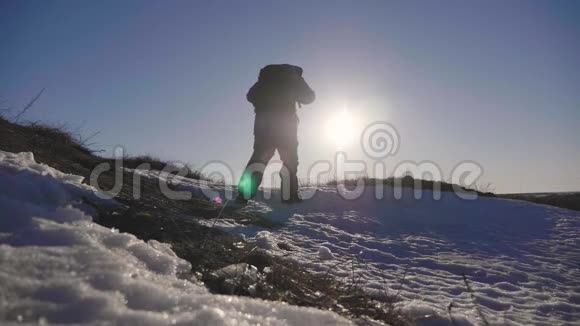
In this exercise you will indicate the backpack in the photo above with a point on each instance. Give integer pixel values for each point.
(279, 73)
(279, 88)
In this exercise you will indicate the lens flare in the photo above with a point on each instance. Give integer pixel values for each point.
(246, 185)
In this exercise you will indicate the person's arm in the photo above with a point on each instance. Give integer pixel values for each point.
(304, 94)
(253, 93)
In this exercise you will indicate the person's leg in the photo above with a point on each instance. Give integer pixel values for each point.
(288, 150)
(252, 176)
(263, 152)
(288, 174)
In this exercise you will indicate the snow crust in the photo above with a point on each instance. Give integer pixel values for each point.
(522, 260)
(324, 253)
(57, 266)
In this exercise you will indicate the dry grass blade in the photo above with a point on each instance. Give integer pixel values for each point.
(28, 106)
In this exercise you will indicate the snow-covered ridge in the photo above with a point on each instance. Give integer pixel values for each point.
(57, 266)
(522, 260)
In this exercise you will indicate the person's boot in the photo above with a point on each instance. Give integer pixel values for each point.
(240, 200)
(290, 184)
(294, 194)
(238, 203)
(293, 199)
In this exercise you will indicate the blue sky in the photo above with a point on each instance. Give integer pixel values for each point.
(496, 82)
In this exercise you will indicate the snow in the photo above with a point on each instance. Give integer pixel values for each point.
(57, 266)
(520, 259)
(325, 253)
(265, 240)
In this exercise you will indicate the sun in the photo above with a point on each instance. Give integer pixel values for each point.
(340, 129)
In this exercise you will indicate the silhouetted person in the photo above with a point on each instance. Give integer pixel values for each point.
(274, 96)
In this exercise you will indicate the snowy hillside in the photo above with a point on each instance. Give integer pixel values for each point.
(521, 260)
(57, 266)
